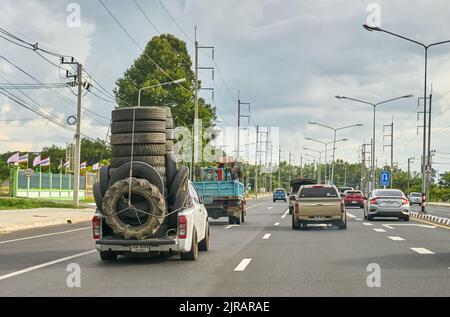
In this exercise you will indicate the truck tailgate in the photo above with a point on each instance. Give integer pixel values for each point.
(324, 207)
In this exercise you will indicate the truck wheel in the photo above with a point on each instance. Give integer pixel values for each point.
(369, 217)
(193, 253)
(204, 244)
(108, 256)
(290, 210)
(243, 217)
(231, 220)
(303, 226)
(104, 179)
(294, 224)
(178, 183)
(238, 220)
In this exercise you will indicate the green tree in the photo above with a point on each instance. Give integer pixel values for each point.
(93, 151)
(4, 171)
(176, 65)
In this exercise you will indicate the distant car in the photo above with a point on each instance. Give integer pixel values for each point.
(387, 203)
(342, 190)
(415, 198)
(295, 186)
(354, 198)
(279, 194)
(319, 204)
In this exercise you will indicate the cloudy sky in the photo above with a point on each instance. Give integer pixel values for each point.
(288, 58)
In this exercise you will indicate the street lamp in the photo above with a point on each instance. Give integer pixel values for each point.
(426, 47)
(374, 105)
(334, 140)
(320, 161)
(177, 81)
(326, 151)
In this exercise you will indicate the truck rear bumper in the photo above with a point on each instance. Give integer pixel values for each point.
(137, 246)
(325, 220)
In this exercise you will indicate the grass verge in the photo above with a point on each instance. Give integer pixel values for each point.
(8, 203)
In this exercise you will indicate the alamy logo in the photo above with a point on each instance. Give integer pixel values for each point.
(74, 278)
(374, 278)
(374, 18)
(74, 18)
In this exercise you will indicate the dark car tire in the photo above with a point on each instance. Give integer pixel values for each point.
(98, 197)
(138, 149)
(171, 168)
(140, 170)
(193, 253)
(108, 256)
(180, 202)
(139, 126)
(138, 138)
(204, 244)
(406, 218)
(153, 160)
(178, 184)
(369, 217)
(140, 114)
(291, 209)
(104, 179)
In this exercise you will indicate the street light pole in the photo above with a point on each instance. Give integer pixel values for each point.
(319, 169)
(374, 105)
(425, 164)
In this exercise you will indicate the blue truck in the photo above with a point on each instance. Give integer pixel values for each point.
(223, 198)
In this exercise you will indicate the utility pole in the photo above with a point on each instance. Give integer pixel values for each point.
(410, 160)
(301, 166)
(279, 166)
(428, 171)
(256, 161)
(390, 135)
(238, 151)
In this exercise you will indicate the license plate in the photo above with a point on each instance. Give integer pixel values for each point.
(353, 202)
(140, 248)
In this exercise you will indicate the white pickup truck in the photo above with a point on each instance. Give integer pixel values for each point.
(190, 235)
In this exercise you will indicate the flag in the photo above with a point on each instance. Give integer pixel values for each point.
(67, 164)
(37, 160)
(60, 165)
(14, 158)
(83, 165)
(23, 159)
(96, 166)
(45, 162)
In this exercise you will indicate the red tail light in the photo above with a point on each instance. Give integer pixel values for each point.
(317, 186)
(182, 227)
(405, 201)
(96, 227)
(373, 201)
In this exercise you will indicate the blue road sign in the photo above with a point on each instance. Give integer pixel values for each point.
(385, 178)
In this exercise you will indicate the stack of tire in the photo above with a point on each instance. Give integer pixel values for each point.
(157, 186)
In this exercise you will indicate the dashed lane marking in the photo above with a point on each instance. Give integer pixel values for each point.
(396, 238)
(285, 214)
(231, 226)
(391, 226)
(422, 251)
(358, 219)
(266, 236)
(44, 235)
(269, 208)
(379, 230)
(367, 224)
(351, 215)
(243, 265)
(276, 224)
(36, 267)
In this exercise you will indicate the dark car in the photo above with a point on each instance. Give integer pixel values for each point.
(295, 186)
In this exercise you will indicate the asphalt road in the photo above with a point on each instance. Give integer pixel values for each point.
(263, 257)
(440, 211)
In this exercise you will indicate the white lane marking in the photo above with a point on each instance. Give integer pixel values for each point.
(396, 238)
(422, 251)
(269, 208)
(276, 224)
(358, 219)
(266, 236)
(36, 267)
(231, 226)
(241, 266)
(254, 205)
(367, 224)
(285, 214)
(43, 235)
(408, 224)
(379, 230)
(351, 215)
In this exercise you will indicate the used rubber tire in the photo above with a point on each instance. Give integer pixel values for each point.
(178, 184)
(117, 161)
(138, 149)
(193, 253)
(204, 244)
(181, 202)
(231, 220)
(169, 146)
(144, 189)
(169, 123)
(139, 138)
(142, 113)
(140, 170)
(168, 112)
(98, 197)
(171, 168)
(170, 134)
(139, 126)
(104, 179)
(161, 170)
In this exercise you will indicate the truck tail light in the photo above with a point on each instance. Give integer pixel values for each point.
(182, 227)
(96, 227)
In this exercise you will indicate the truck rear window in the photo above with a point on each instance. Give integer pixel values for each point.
(318, 192)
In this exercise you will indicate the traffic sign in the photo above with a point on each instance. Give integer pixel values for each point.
(385, 178)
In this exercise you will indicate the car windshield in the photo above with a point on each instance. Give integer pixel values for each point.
(415, 195)
(350, 192)
(389, 192)
(318, 192)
